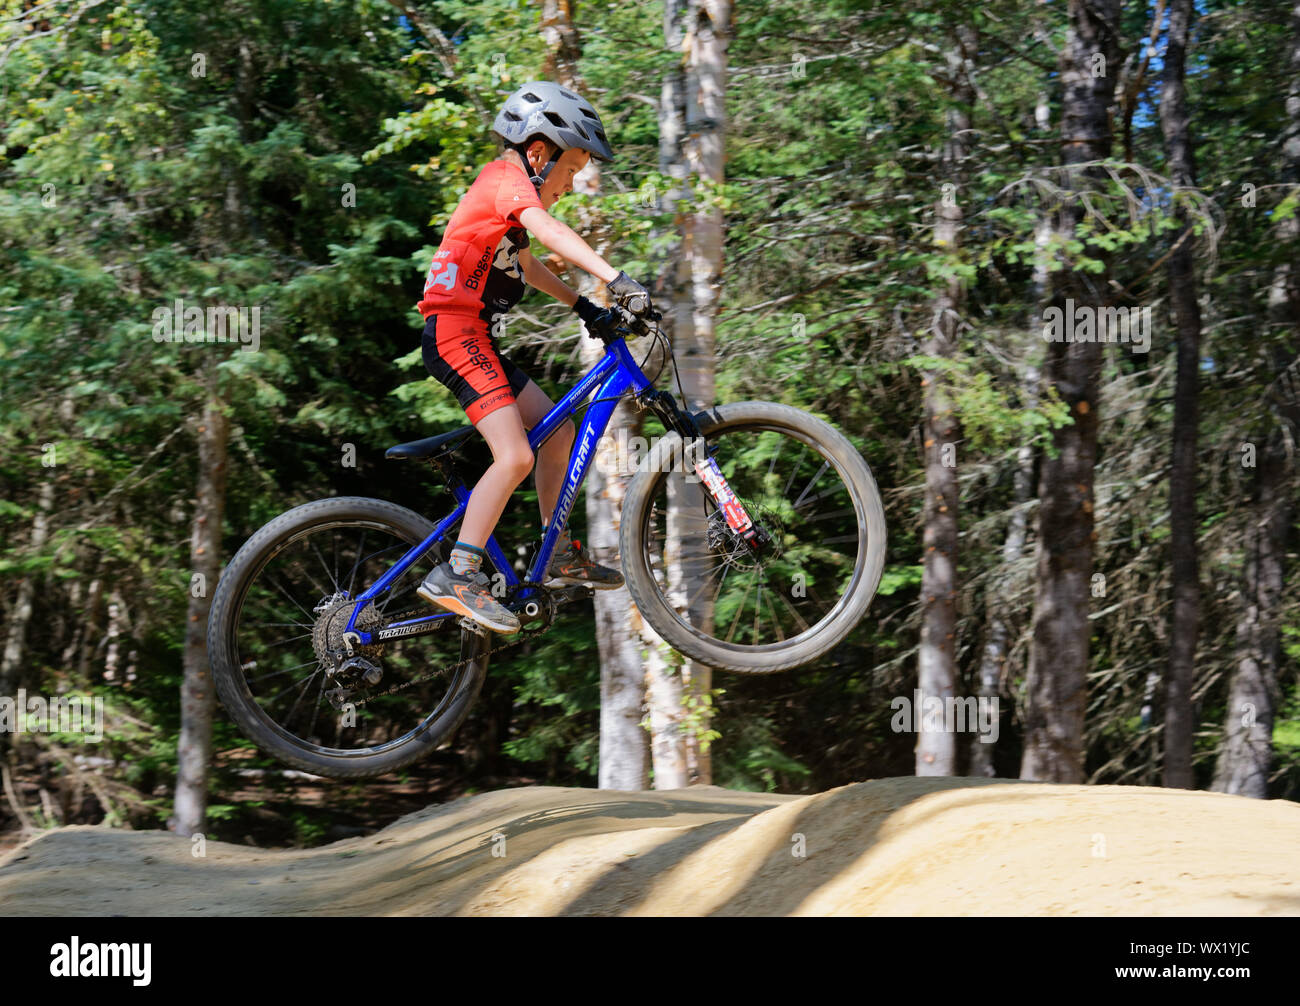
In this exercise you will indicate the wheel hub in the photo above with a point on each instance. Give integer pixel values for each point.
(723, 540)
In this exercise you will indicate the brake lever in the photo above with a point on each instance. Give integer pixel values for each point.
(632, 324)
(640, 324)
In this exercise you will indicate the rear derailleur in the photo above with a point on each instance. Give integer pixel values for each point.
(348, 676)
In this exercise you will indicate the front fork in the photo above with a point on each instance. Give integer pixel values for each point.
(695, 449)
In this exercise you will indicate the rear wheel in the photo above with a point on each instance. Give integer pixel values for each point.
(705, 591)
(279, 613)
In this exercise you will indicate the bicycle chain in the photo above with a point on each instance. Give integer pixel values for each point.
(438, 672)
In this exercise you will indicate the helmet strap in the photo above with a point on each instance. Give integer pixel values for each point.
(540, 178)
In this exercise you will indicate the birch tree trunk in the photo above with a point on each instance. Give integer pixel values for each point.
(194, 756)
(20, 616)
(1175, 123)
(706, 119)
(993, 662)
(1244, 762)
(623, 742)
(936, 750)
(239, 226)
(664, 691)
(1055, 686)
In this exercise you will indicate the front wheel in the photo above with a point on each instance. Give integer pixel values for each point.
(705, 591)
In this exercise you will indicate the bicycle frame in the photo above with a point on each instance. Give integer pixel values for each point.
(613, 374)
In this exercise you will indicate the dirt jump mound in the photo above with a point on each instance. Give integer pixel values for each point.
(906, 846)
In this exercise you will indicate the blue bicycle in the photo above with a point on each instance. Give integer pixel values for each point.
(752, 539)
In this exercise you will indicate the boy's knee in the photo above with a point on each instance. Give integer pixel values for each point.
(516, 460)
(519, 461)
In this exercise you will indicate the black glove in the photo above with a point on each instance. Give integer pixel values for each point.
(629, 294)
(586, 310)
(605, 322)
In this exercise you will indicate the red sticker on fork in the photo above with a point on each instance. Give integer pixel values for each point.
(711, 475)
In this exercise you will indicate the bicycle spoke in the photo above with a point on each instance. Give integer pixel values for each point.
(794, 470)
(290, 598)
(289, 592)
(820, 472)
(394, 595)
(315, 709)
(827, 516)
(333, 580)
(779, 448)
(725, 567)
(803, 626)
(814, 499)
(285, 670)
(321, 592)
(361, 548)
(305, 682)
(735, 621)
(291, 639)
(775, 619)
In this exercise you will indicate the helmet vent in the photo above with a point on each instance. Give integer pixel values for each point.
(590, 114)
(571, 97)
(555, 120)
(529, 96)
(581, 132)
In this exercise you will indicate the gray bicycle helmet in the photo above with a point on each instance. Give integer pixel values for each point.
(541, 108)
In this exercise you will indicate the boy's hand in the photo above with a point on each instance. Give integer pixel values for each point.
(604, 322)
(629, 294)
(586, 310)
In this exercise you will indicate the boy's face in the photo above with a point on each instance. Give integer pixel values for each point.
(560, 180)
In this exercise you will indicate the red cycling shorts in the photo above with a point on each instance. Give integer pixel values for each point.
(459, 351)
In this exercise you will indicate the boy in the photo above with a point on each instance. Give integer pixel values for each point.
(549, 134)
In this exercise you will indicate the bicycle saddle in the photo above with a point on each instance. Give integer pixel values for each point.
(442, 444)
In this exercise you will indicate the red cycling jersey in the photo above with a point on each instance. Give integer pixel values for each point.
(476, 270)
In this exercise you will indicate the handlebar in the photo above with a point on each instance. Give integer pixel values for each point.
(631, 324)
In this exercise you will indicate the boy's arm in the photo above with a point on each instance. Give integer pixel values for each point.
(562, 239)
(539, 276)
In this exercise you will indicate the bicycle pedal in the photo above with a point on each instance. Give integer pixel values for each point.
(473, 626)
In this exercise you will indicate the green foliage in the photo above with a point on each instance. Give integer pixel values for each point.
(896, 578)
(991, 422)
(752, 759)
(128, 182)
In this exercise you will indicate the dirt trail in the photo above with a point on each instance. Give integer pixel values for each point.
(902, 846)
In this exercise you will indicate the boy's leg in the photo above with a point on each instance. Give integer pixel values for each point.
(553, 455)
(460, 354)
(512, 460)
(459, 584)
